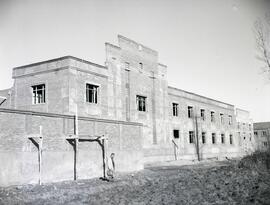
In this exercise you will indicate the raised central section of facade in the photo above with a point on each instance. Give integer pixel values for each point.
(132, 86)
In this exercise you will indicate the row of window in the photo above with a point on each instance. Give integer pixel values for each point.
(244, 125)
(264, 133)
(39, 93)
(203, 137)
(202, 114)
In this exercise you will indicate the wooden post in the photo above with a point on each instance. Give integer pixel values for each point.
(40, 154)
(105, 155)
(76, 144)
(174, 148)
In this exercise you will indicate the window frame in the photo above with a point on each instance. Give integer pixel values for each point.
(35, 96)
(190, 111)
(212, 116)
(222, 138)
(138, 101)
(95, 93)
(203, 114)
(175, 109)
(214, 140)
(203, 137)
(191, 137)
(178, 134)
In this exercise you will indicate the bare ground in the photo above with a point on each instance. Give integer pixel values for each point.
(203, 183)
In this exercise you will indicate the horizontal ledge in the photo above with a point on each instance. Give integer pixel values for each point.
(55, 115)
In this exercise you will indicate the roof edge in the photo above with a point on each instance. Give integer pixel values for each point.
(200, 96)
(58, 59)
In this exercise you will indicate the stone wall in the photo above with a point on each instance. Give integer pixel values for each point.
(19, 156)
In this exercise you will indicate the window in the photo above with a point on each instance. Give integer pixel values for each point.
(176, 134)
(38, 94)
(175, 109)
(213, 138)
(190, 111)
(221, 118)
(191, 137)
(141, 66)
(91, 93)
(230, 120)
(203, 138)
(249, 126)
(264, 133)
(203, 114)
(231, 139)
(256, 133)
(141, 103)
(265, 144)
(212, 116)
(127, 65)
(222, 138)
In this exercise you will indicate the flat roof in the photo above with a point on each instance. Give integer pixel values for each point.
(59, 59)
(261, 125)
(200, 96)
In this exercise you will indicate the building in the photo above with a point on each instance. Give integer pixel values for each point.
(131, 88)
(262, 135)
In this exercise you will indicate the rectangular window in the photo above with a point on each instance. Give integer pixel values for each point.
(141, 66)
(203, 138)
(203, 114)
(213, 138)
(256, 133)
(221, 118)
(231, 139)
(127, 65)
(91, 93)
(190, 111)
(175, 109)
(141, 103)
(264, 133)
(38, 92)
(191, 137)
(212, 116)
(222, 138)
(230, 120)
(176, 134)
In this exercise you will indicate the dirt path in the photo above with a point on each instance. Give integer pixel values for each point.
(205, 183)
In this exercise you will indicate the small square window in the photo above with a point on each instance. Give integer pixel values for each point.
(191, 137)
(176, 134)
(91, 93)
(231, 139)
(38, 92)
(190, 111)
(141, 65)
(230, 120)
(222, 138)
(203, 137)
(221, 118)
(212, 116)
(175, 109)
(213, 138)
(127, 65)
(203, 114)
(141, 103)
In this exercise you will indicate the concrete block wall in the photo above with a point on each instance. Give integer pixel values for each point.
(19, 156)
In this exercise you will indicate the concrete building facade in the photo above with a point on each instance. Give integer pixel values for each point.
(262, 135)
(131, 87)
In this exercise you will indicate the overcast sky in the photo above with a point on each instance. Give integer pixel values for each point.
(208, 45)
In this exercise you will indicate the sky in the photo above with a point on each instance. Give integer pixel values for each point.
(209, 46)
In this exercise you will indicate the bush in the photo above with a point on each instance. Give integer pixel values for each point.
(258, 160)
